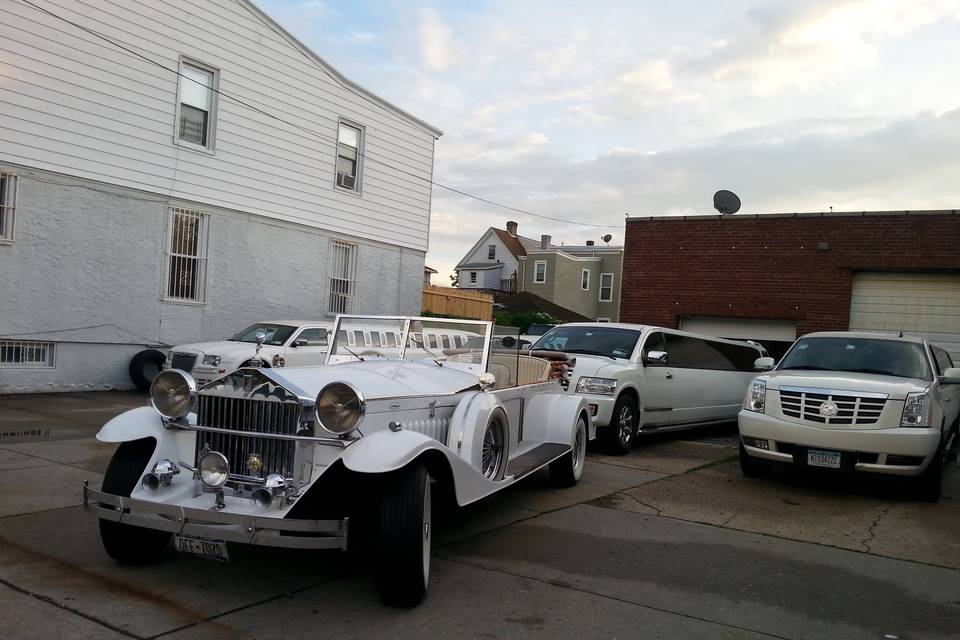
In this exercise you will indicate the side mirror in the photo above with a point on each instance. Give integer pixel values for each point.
(300, 342)
(951, 376)
(656, 358)
(508, 341)
(764, 364)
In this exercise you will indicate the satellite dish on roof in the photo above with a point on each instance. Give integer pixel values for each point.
(726, 202)
(607, 238)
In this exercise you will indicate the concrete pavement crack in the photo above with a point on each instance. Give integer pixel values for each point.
(51, 601)
(871, 531)
(640, 502)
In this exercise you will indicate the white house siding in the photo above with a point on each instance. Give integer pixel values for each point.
(74, 104)
(488, 279)
(87, 271)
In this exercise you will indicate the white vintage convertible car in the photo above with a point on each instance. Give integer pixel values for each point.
(290, 457)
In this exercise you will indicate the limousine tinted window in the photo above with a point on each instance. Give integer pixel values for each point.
(688, 352)
(654, 342)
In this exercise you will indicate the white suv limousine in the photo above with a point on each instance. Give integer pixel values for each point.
(639, 378)
(855, 402)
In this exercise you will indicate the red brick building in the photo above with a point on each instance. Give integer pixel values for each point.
(773, 277)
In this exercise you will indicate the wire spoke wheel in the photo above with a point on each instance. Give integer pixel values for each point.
(492, 452)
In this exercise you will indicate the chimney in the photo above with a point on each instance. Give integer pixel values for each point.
(589, 243)
(545, 241)
(512, 228)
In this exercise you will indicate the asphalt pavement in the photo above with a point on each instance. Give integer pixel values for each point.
(669, 541)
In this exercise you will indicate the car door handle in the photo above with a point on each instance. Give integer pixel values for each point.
(669, 376)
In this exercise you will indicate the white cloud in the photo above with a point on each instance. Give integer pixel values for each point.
(437, 48)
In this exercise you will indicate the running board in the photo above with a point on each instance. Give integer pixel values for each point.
(535, 458)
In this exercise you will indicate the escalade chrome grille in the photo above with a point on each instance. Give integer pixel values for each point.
(852, 409)
(249, 415)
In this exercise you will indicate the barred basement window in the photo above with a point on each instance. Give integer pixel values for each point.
(27, 354)
(187, 255)
(343, 277)
(8, 204)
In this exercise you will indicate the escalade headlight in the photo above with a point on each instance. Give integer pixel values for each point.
(597, 386)
(173, 393)
(339, 408)
(211, 361)
(756, 396)
(916, 410)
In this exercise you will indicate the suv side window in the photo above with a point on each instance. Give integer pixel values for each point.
(943, 360)
(654, 342)
(314, 337)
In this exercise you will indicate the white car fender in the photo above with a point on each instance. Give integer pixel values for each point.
(468, 424)
(142, 422)
(386, 451)
(553, 418)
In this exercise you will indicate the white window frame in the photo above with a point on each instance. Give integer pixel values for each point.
(536, 264)
(473, 277)
(177, 252)
(587, 286)
(342, 297)
(48, 349)
(612, 278)
(361, 142)
(8, 209)
(214, 102)
(491, 252)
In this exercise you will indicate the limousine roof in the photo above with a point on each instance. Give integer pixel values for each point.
(641, 327)
(874, 335)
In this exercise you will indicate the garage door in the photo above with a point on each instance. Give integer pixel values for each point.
(779, 330)
(925, 304)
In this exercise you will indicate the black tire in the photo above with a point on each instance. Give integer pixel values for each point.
(122, 542)
(752, 468)
(617, 437)
(145, 366)
(403, 538)
(566, 470)
(929, 484)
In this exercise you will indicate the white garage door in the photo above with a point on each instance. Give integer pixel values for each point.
(780, 330)
(925, 304)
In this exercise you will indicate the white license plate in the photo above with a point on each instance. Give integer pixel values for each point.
(829, 459)
(202, 547)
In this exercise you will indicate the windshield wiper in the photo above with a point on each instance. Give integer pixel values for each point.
(589, 353)
(424, 347)
(878, 372)
(350, 351)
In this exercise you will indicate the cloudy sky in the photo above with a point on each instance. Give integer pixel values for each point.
(587, 111)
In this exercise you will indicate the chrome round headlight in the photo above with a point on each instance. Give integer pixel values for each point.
(339, 408)
(214, 469)
(173, 393)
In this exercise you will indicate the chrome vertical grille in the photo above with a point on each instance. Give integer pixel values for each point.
(853, 408)
(239, 415)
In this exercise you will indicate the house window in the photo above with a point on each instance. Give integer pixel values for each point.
(343, 276)
(473, 277)
(348, 157)
(606, 287)
(491, 252)
(26, 354)
(8, 204)
(539, 271)
(187, 255)
(196, 112)
(585, 279)
(603, 319)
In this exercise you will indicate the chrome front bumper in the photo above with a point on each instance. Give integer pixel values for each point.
(217, 525)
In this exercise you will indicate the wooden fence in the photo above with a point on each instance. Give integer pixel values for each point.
(461, 303)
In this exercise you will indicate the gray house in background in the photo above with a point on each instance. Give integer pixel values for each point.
(220, 174)
(583, 278)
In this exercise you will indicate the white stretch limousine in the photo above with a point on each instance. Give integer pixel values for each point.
(638, 378)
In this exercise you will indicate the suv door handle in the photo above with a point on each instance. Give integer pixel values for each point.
(669, 376)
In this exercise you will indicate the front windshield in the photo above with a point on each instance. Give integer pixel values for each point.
(276, 334)
(590, 340)
(437, 339)
(858, 355)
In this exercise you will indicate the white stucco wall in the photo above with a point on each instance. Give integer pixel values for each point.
(87, 268)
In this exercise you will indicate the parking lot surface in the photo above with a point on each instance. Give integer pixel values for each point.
(669, 541)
